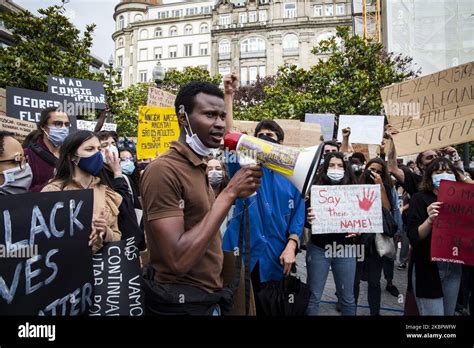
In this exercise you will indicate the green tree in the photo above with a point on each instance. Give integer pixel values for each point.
(44, 45)
(175, 79)
(347, 81)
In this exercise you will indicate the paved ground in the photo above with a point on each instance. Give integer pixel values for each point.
(389, 305)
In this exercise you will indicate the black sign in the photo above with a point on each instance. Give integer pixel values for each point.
(117, 289)
(46, 262)
(83, 91)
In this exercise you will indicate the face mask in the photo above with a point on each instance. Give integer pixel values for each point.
(335, 175)
(142, 166)
(215, 177)
(112, 150)
(92, 164)
(128, 167)
(267, 138)
(57, 135)
(194, 142)
(357, 168)
(443, 176)
(16, 180)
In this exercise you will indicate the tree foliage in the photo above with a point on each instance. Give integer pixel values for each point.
(175, 79)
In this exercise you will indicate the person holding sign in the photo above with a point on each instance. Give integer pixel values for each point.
(334, 171)
(42, 146)
(80, 167)
(15, 173)
(182, 216)
(435, 284)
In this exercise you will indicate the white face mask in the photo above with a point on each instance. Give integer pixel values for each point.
(443, 176)
(194, 142)
(17, 180)
(335, 175)
(112, 150)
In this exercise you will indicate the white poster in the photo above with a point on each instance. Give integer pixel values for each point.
(364, 129)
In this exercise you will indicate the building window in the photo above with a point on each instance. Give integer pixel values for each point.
(188, 30)
(253, 73)
(252, 16)
(138, 18)
(262, 71)
(120, 42)
(254, 44)
(244, 76)
(262, 16)
(290, 42)
(176, 13)
(206, 9)
(203, 49)
(224, 70)
(144, 54)
(173, 52)
(204, 28)
(121, 23)
(224, 47)
(143, 34)
(120, 61)
(158, 32)
(173, 31)
(318, 11)
(243, 17)
(224, 19)
(163, 15)
(158, 52)
(143, 77)
(290, 10)
(188, 50)
(340, 9)
(329, 10)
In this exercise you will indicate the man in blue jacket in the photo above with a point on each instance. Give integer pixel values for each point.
(276, 216)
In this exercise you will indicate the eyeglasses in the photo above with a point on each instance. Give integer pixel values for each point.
(61, 124)
(19, 159)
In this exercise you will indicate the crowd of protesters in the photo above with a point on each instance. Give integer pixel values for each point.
(221, 233)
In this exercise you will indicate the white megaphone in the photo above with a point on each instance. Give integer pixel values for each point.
(298, 165)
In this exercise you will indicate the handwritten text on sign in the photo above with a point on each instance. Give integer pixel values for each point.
(157, 128)
(347, 209)
(453, 228)
(432, 111)
(159, 97)
(56, 278)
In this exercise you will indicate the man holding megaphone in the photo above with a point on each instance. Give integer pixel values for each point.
(182, 216)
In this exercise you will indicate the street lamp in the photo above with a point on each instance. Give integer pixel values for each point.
(158, 74)
(111, 65)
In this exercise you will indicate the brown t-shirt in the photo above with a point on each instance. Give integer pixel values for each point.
(176, 185)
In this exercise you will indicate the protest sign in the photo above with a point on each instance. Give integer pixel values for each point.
(19, 128)
(326, 121)
(46, 264)
(160, 98)
(246, 127)
(90, 126)
(432, 111)
(3, 102)
(117, 289)
(26, 104)
(452, 237)
(364, 129)
(82, 91)
(157, 128)
(347, 209)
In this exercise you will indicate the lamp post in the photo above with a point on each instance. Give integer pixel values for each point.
(158, 74)
(111, 66)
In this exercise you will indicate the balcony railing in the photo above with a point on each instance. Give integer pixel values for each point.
(253, 54)
(224, 56)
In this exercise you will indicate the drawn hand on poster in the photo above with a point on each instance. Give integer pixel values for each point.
(368, 199)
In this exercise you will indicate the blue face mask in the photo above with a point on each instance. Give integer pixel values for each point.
(92, 164)
(443, 176)
(128, 167)
(57, 135)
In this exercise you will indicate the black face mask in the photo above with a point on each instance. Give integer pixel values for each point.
(142, 166)
(267, 138)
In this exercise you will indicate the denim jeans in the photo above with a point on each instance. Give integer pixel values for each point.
(450, 276)
(372, 266)
(343, 270)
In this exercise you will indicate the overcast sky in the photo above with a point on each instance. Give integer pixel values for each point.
(82, 13)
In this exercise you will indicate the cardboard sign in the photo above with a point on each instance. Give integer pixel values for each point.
(347, 209)
(453, 229)
(326, 121)
(160, 98)
(246, 127)
(117, 289)
(432, 111)
(364, 129)
(19, 128)
(46, 265)
(90, 126)
(82, 91)
(26, 104)
(157, 128)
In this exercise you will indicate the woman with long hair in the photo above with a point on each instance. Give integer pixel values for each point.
(80, 166)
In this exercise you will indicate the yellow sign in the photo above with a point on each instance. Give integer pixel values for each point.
(157, 128)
